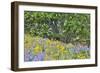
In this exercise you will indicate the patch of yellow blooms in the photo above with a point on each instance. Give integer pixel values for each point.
(60, 47)
(37, 49)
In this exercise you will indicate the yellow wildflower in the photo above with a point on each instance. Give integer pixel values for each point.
(37, 49)
(60, 47)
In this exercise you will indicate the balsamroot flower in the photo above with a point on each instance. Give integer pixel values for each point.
(37, 49)
(60, 47)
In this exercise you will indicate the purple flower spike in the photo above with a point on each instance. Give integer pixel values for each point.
(35, 58)
(74, 50)
(85, 48)
(39, 57)
(28, 56)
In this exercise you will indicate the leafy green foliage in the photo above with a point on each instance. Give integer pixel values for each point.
(66, 27)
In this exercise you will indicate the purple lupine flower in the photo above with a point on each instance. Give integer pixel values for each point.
(74, 50)
(39, 57)
(85, 49)
(35, 58)
(77, 50)
(28, 56)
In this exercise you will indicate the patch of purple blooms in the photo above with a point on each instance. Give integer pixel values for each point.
(77, 50)
(39, 57)
(72, 53)
(28, 56)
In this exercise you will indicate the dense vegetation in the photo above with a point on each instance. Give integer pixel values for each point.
(46, 31)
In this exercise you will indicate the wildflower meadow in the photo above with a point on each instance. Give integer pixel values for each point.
(56, 36)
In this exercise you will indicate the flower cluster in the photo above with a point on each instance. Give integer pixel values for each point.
(42, 49)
